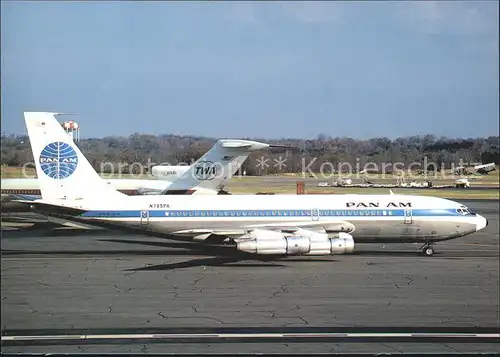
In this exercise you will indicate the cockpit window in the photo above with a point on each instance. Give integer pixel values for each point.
(464, 210)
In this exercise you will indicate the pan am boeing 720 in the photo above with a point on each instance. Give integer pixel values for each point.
(256, 224)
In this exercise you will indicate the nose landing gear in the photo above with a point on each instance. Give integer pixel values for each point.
(427, 250)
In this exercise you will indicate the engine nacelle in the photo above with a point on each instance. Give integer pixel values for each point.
(278, 244)
(342, 244)
(294, 245)
(165, 172)
(142, 191)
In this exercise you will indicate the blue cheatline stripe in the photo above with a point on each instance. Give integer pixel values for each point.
(273, 213)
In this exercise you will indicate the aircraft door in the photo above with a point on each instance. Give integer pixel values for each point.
(408, 216)
(315, 214)
(144, 217)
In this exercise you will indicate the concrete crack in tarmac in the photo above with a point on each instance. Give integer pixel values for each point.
(391, 347)
(451, 348)
(283, 289)
(273, 315)
(333, 348)
(197, 280)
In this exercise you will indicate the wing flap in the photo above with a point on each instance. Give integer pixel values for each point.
(201, 232)
(341, 226)
(289, 227)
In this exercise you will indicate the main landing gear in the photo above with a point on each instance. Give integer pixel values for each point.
(427, 250)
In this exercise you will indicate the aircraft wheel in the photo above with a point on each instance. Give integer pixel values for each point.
(428, 251)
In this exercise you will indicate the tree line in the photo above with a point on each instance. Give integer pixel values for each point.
(147, 150)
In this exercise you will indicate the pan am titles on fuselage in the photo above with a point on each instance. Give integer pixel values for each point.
(377, 205)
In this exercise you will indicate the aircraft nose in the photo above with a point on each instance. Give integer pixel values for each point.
(481, 223)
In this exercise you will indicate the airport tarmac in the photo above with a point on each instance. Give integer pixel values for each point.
(99, 282)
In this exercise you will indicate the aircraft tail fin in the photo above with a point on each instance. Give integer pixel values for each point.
(217, 165)
(63, 171)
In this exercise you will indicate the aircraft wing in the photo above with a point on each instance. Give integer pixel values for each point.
(341, 226)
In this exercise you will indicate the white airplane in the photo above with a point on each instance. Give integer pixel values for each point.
(255, 224)
(208, 175)
(480, 169)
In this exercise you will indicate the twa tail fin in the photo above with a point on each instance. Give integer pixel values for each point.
(217, 166)
(63, 171)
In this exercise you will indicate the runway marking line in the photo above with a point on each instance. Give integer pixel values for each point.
(19, 256)
(249, 335)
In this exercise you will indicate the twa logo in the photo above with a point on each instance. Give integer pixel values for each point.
(205, 170)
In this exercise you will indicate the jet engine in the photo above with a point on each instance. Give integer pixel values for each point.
(167, 172)
(280, 244)
(142, 191)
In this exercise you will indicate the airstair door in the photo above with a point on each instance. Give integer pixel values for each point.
(144, 217)
(408, 216)
(315, 214)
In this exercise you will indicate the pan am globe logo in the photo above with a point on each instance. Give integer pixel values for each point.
(58, 160)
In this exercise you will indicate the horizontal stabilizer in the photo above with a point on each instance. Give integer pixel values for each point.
(74, 224)
(246, 145)
(278, 148)
(25, 198)
(234, 144)
(56, 209)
